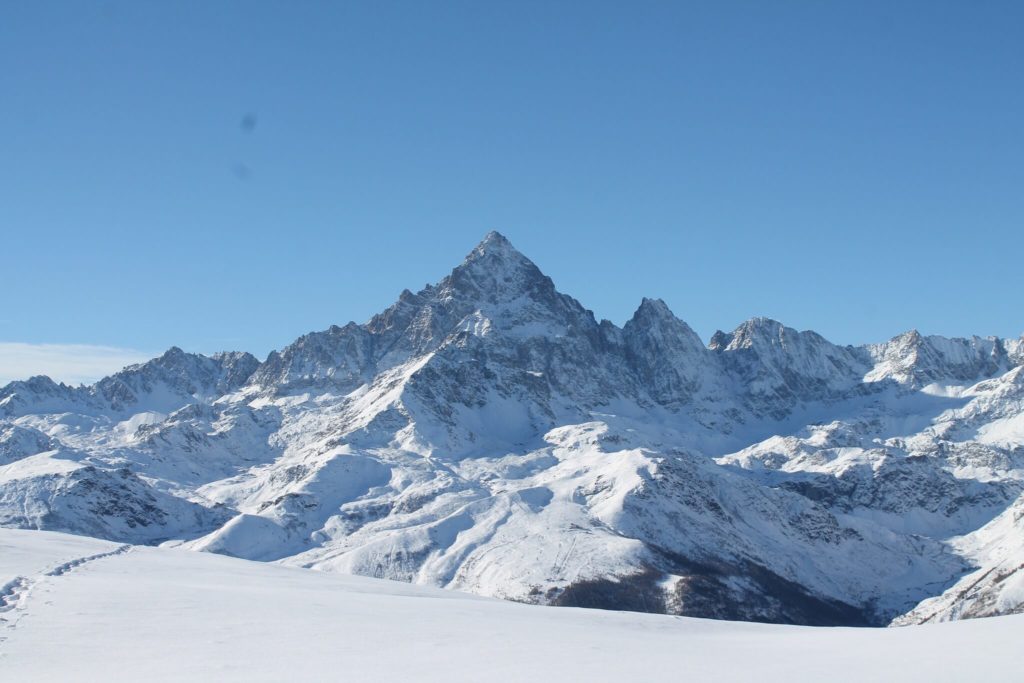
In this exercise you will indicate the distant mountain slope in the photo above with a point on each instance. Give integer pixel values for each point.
(487, 433)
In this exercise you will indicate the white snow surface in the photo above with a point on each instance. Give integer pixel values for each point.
(75, 608)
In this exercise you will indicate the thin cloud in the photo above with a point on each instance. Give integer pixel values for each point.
(69, 363)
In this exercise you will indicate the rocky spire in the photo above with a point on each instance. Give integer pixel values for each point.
(495, 271)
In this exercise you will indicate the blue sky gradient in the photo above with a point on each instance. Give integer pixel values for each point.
(232, 175)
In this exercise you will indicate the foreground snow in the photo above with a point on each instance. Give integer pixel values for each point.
(94, 610)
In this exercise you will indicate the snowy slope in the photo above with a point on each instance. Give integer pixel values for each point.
(488, 434)
(88, 610)
(996, 587)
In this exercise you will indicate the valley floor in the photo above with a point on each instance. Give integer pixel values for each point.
(78, 608)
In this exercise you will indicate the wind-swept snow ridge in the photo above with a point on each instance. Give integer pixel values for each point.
(487, 433)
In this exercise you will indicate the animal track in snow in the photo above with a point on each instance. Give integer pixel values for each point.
(14, 594)
(65, 567)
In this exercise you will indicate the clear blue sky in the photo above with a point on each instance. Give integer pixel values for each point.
(233, 174)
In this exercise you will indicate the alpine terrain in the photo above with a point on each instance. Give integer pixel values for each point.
(488, 434)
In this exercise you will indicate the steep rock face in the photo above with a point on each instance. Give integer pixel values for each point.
(163, 384)
(670, 361)
(496, 311)
(20, 442)
(995, 587)
(1014, 351)
(488, 434)
(339, 355)
(778, 367)
(41, 394)
(55, 491)
(174, 378)
(917, 360)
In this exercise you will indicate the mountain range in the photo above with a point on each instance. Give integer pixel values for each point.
(489, 434)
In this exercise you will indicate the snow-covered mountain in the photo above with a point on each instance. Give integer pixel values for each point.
(489, 434)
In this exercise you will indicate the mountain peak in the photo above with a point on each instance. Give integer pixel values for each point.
(496, 246)
(494, 240)
(173, 353)
(655, 306)
(756, 330)
(496, 271)
(761, 324)
(656, 313)
(666, 353)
